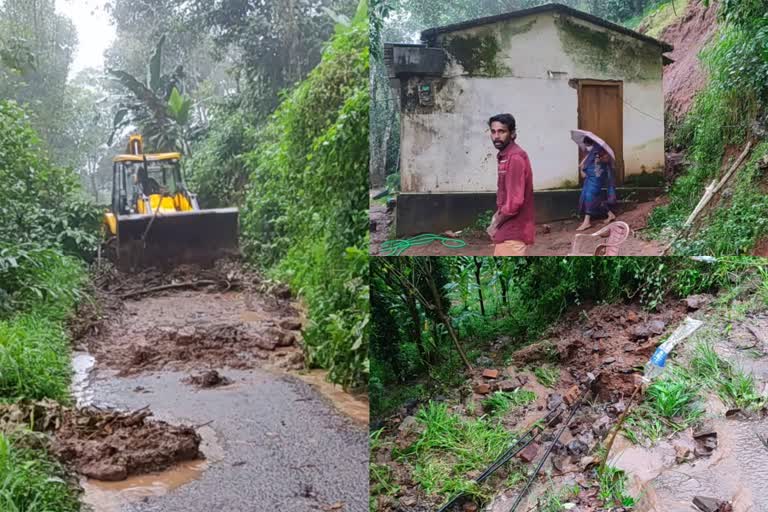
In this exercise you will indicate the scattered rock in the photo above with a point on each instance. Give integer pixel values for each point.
(508, 385)
(529, 453)
(572, 395)
(657, 326)
(554, 401)
(695, 302)
(587, 462)
(185, 335)
(632, 317)
(601, 426)
(482, 388)
(639, 332)
(290, 324)
(704, 430)
(617, 409)
(546, 229)
(683, 453)
(490, 374)
(408, 501)
(577, 448)
(209, 379)
(470, 506)
(706, 443)
(408, 424)
(711, 504)
(484, 361)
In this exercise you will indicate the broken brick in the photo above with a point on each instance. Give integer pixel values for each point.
(482, 389)
(571, 395)
(490, 374)
(529, 453)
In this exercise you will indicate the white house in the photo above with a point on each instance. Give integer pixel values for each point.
(555, 69)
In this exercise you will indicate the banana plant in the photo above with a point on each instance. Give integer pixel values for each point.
(156, 106)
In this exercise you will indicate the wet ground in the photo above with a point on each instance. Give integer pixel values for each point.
(553, 239)
(722, 457)
(275, 444)
(222, 360)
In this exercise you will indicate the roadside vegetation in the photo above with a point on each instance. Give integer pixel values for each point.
(726, 115)
(42, 278)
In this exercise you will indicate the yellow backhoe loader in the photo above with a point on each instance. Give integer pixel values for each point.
(155, 221)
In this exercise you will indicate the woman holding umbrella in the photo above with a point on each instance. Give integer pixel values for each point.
(597, 171)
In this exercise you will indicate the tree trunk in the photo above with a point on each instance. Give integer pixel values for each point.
(410, 302)
(446, 319)
(478, 266)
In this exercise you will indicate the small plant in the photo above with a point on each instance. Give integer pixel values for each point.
(613, 491)
(500, 402)
(547, 375)
(673, 397)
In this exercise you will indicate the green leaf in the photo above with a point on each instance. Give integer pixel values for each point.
(155, 67)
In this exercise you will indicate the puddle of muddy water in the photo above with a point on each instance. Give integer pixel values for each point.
(736, 471)
(111, 496)
(82, 364)
(353, 406)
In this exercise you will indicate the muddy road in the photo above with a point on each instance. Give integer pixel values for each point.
(222, 359)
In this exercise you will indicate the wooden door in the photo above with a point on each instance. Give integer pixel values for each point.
(601, 111)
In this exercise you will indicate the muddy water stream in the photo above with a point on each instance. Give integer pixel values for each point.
(352, 405)
(736, 471)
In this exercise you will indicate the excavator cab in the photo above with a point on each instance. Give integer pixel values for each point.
(155, 220)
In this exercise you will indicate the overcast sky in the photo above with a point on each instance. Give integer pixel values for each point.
(94, 32)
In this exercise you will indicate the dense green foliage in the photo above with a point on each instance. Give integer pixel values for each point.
(305, 211)
(40, 202)
(43, 216)
(30, 482)
(412, 355)
(724, 116)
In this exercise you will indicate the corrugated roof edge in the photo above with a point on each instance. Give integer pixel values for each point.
(430, 34)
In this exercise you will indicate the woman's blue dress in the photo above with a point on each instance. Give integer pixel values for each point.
(595, 201)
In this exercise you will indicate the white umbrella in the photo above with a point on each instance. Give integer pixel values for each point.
(578, 137)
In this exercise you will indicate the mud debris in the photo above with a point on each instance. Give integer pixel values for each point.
(209, 379)
(711, 504)
(113, 445)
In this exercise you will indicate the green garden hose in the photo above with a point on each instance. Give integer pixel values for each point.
(398, 247)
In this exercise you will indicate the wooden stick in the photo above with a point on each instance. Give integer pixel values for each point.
(186, 284)
(617, 428)
(709, 194)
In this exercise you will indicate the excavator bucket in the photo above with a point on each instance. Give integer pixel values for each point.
(166, 240)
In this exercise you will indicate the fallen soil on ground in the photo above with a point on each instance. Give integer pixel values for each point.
(103, 445)
(155, 321)
(601, 348)
(553, 239)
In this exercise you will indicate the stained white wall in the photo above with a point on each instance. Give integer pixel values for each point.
(450, 150)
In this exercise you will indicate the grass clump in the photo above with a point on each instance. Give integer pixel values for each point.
(613, 487)
(547, 375)
(671, 405)
(31, 482)
(502, 402)
(734, 387)
(450, 447)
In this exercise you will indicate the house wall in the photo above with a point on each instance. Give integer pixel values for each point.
(523, 66)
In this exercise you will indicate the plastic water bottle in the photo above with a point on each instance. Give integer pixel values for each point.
(658, 361)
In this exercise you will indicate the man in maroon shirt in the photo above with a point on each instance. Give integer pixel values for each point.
(512, 228)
